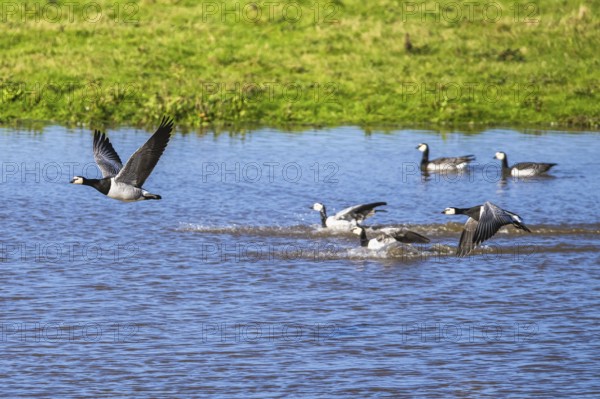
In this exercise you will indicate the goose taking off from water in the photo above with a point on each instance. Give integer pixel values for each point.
(384, 239)
(349, 217)
(522, 169)
(451, 164)
(124, 183)
(484, 221)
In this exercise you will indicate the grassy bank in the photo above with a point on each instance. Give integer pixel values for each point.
(326, 62)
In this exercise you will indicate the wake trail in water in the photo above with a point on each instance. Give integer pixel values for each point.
(431, 230)
(317, 244)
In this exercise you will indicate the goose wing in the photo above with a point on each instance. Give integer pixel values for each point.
(491, 218)
(453, 160)
(408, 237)
(358, 212)
(465, 244)
(105, 155)
(536, 167)
(142, 162)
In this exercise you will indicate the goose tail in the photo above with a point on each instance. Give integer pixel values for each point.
(149, 196)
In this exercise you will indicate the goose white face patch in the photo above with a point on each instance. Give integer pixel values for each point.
(422, 147)
(317, 207)
(450, 211)
(357, 230)
(77, 180)
(500, 155)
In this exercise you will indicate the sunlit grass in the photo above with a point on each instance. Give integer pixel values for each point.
(346, 64)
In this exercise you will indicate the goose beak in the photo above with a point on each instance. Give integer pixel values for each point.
(443, 212)
(72, 181)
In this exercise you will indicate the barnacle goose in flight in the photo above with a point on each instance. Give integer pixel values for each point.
(124, 183)
(484, 221)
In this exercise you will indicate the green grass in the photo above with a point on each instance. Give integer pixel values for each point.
(346, 65)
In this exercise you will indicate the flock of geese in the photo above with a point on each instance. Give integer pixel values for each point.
(125, 183)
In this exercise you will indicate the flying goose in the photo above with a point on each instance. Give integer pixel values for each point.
(124, 183)
(522, 169)
(347, 218)
(385, 239)
(451, 164)
(484, 221)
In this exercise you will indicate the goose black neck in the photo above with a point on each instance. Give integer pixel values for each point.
(425, 158)
(462, 211)
(102, 185)
(323, 217)
(473, 212)
(505, 163)
(363, 238)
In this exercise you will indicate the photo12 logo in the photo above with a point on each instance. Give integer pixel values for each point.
(257, 332)
(427, 91)
(62, 332)
(48, 172)
(269, 172)
(268, 92)
(255, 12)
(69, 12)
(258, 251)
(64, 252)
(71, 92)
(491, 332)
(470, 11)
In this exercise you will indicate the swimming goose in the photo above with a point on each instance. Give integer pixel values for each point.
(347, 218)
(124, 183)
(523, 169)
(484, 221)
(450, 164)
(385, 239)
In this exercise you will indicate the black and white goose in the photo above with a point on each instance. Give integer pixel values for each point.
(349, 217)
(391, 237)
(484, 221)
(450, 164)
(522, 169)
(124, 183)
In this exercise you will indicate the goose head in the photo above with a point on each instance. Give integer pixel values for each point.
(500, 155)
(77, 180)
(449, 211)
(357, 230)
(318, 207)
(422, 147)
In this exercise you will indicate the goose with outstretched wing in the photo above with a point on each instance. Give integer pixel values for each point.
(125, 183)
